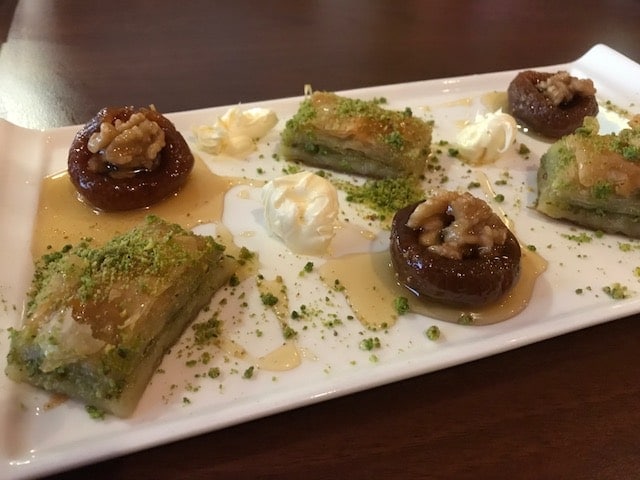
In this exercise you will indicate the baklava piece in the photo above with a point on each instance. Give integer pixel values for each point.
(98, 320)
(593, 180)
(356, 136)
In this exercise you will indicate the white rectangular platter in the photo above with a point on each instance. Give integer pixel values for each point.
(37, 438)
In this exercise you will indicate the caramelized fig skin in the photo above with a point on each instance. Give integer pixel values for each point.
(536, 111)
(145, 187)
(473, 281)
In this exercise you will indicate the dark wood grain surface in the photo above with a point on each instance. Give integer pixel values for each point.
(563, 408)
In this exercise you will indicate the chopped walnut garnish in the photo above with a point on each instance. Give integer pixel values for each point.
(129, 145)
(452, 223)
(562, 87)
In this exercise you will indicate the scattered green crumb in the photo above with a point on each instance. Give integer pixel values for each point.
(472, 185)
(433, 332)
(579, 291)
(248, 373)
(95, 412)
(205, 331)
(616, 109)
(580, 238)
(245, 255)
(268, 299)
(373, 358)
(308, 268)
(531, 248)
(289, 332)
(186, 400)
(383, 196)
(628, 247)
(291, 169)
(616, 291)
(453, 152)
(401, 305)
(499, 198)
(370, 343)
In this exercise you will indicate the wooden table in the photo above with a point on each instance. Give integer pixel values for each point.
(562, 408)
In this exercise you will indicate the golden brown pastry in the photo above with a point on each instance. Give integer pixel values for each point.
(98, 320)
(356, 136)
(593, 180)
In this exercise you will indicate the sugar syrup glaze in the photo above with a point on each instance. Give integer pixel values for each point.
(64, 218)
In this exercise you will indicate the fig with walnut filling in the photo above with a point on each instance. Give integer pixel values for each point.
(551, 104)
(127, 158)
(452, 248)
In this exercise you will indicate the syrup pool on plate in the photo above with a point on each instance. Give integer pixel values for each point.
(63, 218)
(372, 300)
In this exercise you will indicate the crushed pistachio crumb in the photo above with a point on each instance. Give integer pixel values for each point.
(308, 268)
(95, 412)
(433, 332)
(401, 305)
(384, 196)
(268, 299)
(370, 343)
(288, 332)
(245, 255)
(616, 291)
(580, 238)
(205, 331)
